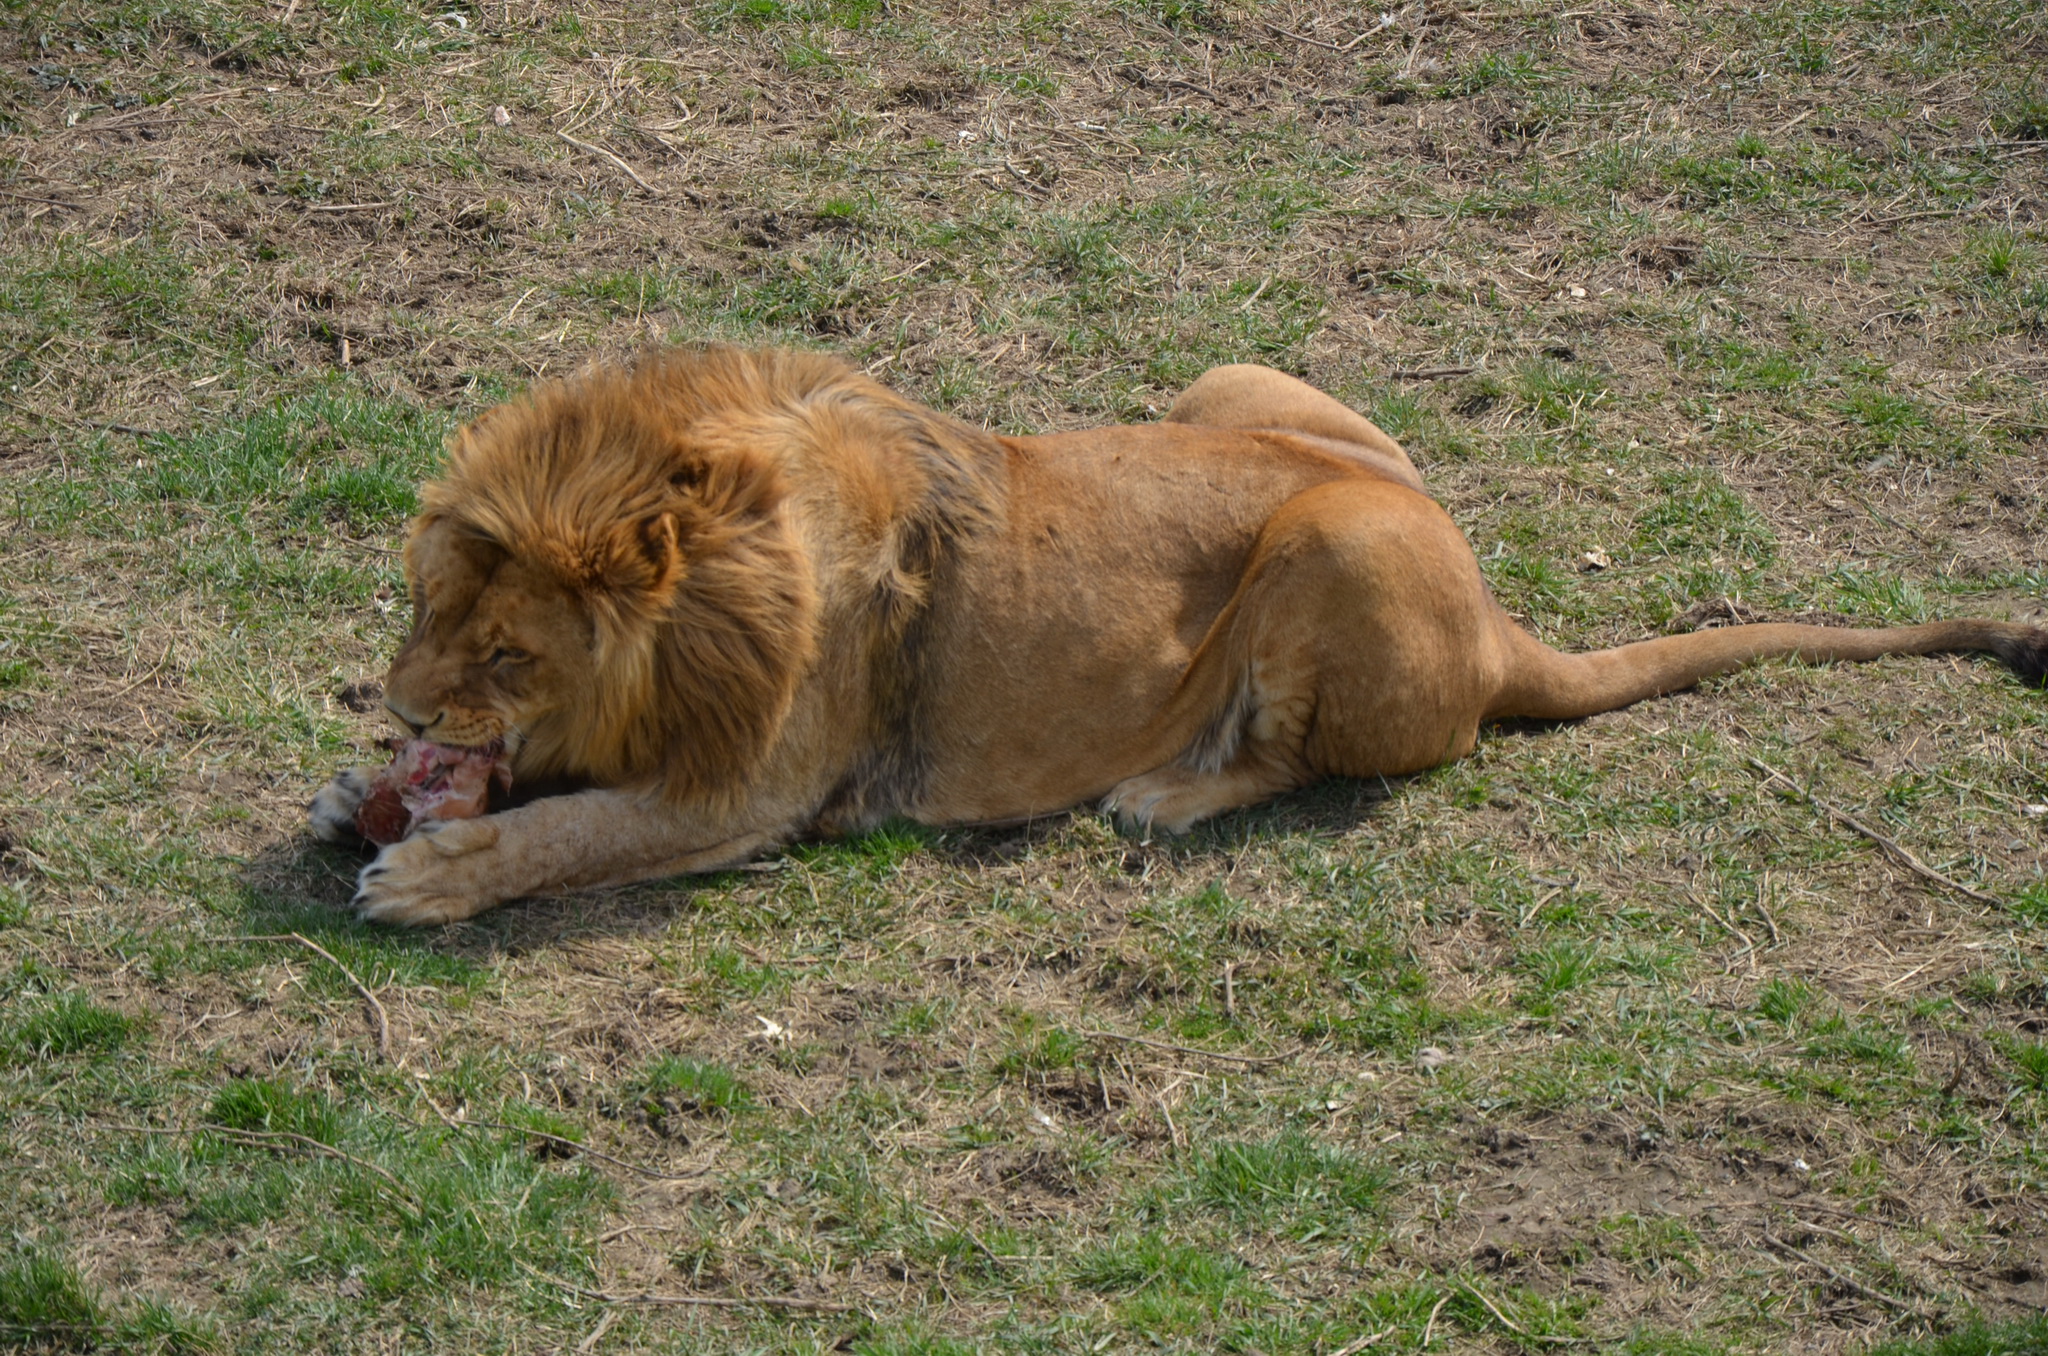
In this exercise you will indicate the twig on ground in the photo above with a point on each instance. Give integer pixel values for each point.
(696, 1301)
(157, 668)
(1514, 1327)
(604, 1325)
(1838, 1235)
(631, 173)
(1847, 1282)
(1021, 177)
(1842, 1236)
(1764, 910)
(347, 206)
(1186, 1049)
(1748, 942)
(1371, 1339)
(1172, 1130)
(1430, 373)
(379, 1019)
(428, 1098)
(30, 197)
(1429, 1328)
(371, 547)
(1912, 863)
(1278, 31)
(1927, 215)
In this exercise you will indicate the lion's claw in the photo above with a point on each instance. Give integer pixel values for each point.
(1136, 805)
(1169, 801)
(435, 876)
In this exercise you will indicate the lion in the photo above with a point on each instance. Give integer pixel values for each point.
(728, 599)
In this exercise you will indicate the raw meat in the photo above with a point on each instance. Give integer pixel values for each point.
(426, 781)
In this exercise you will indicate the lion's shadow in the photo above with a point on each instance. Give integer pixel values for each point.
(1327, 809)
(298, 884)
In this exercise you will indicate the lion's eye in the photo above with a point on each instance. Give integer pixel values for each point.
(505, 654)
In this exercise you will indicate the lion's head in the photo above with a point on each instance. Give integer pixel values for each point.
(605, 577)
(616, 577)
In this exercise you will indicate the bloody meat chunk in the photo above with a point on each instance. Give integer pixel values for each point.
(427, 781)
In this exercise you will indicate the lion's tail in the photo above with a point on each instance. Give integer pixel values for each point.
(1543, 684)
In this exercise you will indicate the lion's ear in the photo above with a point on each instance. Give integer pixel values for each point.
(647, 560)
(661, 543)
(633, 570)
(727, 472)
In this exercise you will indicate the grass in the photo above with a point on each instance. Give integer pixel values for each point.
(45, 1305)
(68, 1025)
(388, 1210)
(1539, 1045)
(43, 1301)
(676, 1083)
(1978, 1339)
(1288, 1184)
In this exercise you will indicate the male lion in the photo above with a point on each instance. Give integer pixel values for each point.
(731, 598)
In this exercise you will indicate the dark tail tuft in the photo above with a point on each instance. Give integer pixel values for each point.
(2025, 651)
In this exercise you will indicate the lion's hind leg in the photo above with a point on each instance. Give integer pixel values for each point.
(1360, 642)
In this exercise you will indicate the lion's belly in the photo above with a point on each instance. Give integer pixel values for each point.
(1064, 636)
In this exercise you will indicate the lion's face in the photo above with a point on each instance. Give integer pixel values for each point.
(499, 648)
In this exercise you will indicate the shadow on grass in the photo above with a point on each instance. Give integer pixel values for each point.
(303, 886)
(1329, 808)
(299, 885)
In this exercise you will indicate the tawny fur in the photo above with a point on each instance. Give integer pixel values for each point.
(742, 597)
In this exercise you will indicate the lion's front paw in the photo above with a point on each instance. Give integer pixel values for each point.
(442, 874)
(332, 815)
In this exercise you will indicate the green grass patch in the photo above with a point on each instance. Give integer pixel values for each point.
(1164, 1288)
(404, 1211)
(332, 456)
(45, 1303)
(1290, 1184)
(761, 13)
(2030, 1062)
(677, 1083)
(264, 1105)
(2023, 1338)
(1782, 1000)
(66, 1025)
